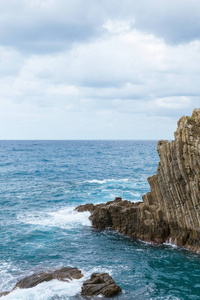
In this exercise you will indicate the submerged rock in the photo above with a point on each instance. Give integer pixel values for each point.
(171, 211)
(100, 284)
(63, 274)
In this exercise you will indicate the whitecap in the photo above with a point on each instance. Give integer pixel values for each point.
(65, 218)
(7, 280)
(135, 194)
(106, 180)
(53, 289)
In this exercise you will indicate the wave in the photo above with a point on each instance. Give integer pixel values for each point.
(64, 218)
(135, 194)
(6, 279)
(54, 289)
(169, 243)
(106, 180)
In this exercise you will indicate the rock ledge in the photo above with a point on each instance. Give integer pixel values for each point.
(170, 212)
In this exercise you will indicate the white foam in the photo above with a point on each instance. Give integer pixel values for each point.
(135, 194)
(4, 275)
(106, 180)
(54, 289)
(64, 218)
(145, 242)
(170, 244)
(48, 290)
(6, 279)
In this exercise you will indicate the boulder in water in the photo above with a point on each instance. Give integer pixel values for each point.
(100, 284)
(63, 274)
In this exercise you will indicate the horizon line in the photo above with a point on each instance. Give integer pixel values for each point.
(4, 140)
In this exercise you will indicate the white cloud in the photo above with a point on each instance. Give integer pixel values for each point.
(97, 68)
(173, 102)
(114, 26)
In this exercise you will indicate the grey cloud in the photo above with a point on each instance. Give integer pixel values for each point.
(48, 26)
(35, 29)
(63, 64)
(175, 21)
(46, 38)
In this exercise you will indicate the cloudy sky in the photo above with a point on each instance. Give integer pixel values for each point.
(97, 69)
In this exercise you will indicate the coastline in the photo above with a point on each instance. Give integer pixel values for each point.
(170, 212)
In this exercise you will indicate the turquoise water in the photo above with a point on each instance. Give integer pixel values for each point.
(41, 182)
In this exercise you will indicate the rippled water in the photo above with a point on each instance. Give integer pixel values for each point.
(41, 182)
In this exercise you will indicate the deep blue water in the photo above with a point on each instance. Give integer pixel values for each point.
(41, 182)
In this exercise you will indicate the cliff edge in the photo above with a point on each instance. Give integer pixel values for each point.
(170, 212)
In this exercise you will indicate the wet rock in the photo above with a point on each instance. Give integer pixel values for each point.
(4, 293)
(63, 274)
(100, 284)
(171, 210)
(85, 207)
(133, 219)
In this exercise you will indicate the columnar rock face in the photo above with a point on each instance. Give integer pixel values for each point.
(171, 210)
(175, 190)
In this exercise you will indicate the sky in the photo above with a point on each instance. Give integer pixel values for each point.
(97, 69)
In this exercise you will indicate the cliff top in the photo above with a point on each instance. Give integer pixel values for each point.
(191, 124)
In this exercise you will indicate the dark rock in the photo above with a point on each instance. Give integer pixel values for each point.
(64, 274)
(100, 284)
(171, 211)
(133, 219)
(4, 294)
(85, 207)
(118, 199)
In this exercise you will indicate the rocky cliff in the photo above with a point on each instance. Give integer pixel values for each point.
(170, 212)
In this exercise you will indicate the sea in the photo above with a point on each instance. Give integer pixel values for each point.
(41, 183)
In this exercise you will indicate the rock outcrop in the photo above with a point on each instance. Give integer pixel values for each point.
(63, 274)
(85, 207)
(4, 293)
(170, 212)
(100, 284)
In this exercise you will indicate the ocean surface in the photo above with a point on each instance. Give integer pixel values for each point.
(41, 182)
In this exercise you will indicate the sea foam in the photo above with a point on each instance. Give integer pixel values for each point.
(54, 289)
(106, 181)
(48, 290)
(65, 218)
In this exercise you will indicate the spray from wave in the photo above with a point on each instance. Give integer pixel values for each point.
(66, 218)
